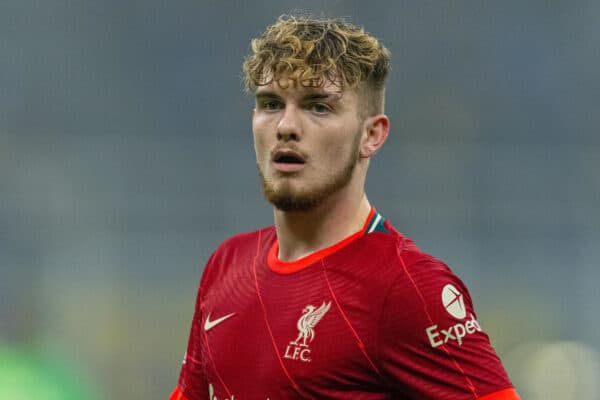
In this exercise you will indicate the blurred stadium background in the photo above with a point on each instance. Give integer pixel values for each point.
(126, 157)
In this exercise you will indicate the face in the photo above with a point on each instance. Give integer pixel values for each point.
(306, 142)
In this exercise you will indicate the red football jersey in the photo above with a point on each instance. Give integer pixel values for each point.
(371, 317)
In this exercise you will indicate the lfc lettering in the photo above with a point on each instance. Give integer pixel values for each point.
(294, 352)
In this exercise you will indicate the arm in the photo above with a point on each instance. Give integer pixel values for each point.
(192, 383)
(432, 345)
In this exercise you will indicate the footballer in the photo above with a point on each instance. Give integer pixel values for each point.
(331, 302)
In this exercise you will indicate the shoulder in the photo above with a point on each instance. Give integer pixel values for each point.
(417, 280)
(424, 291)
(398, 252)
(428, 322)
(237, 250)
(245, 242)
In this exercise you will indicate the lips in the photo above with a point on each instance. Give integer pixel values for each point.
(288, 160)
(288, 157)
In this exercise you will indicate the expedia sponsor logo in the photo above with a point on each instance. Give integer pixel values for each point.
(453, 302)
(438, 337)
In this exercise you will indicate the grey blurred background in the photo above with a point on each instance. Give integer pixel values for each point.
(126, 157)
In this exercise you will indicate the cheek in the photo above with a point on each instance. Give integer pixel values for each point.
(337, 147)
(258, 146)
(260, 142)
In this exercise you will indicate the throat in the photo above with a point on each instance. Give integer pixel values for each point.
(303, 233)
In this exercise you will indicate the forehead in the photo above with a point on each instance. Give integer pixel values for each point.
(286, 87)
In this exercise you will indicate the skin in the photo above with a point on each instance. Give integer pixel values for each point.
(321, 201)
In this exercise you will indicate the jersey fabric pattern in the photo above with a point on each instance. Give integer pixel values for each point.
(371, 317)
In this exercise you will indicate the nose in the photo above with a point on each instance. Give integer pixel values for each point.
(289, 126)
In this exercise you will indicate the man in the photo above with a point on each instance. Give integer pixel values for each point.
(332, 302)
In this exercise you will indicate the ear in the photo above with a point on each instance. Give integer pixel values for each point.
(376, 129)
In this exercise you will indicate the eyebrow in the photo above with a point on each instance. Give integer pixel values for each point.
(267, 95)
(322, 96)
(311, 96)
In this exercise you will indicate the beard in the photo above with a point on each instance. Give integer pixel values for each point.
(286, 198)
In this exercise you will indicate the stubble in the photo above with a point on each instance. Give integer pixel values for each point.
(287, 198)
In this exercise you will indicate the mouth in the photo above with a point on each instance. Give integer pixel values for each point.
(287, 160)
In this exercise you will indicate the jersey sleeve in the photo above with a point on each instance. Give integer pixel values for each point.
(431, 344)
(192, 384)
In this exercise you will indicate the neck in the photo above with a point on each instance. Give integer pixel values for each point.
(302, 233)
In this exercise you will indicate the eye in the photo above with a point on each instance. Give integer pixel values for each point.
(320, 108)
(271, 105)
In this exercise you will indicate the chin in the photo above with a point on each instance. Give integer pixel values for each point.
(289, 201)
(294, 204)
(285, 195)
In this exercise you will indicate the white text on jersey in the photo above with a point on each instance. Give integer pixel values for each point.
(455, 332)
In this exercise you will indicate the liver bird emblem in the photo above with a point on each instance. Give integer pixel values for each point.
(309, 319)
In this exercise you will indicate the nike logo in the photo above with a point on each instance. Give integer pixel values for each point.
(208, 324)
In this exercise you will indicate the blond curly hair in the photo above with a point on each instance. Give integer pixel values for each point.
(312, 52)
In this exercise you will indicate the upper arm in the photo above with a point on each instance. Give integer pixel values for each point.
(192, 383)
(431, 345)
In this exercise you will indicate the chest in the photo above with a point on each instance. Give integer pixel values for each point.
(282, 335)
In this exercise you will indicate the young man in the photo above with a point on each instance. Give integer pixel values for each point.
(331, 302)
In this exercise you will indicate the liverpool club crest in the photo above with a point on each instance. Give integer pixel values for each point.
(299, 349)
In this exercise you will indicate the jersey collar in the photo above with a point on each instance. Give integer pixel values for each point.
(288, 267)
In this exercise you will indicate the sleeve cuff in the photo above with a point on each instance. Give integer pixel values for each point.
(506, 394)
(177, 394)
